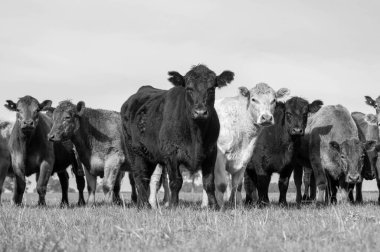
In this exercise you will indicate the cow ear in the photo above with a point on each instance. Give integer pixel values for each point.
(370, 145)
(176, 79)
(44, 105)
(244, 91)
(224, 78)
(80, 108)
(315, 106)
(11, 105)
(282, 92)
(334, 145)
(371, 102)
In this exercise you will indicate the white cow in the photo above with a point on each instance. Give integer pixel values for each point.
(241, 119)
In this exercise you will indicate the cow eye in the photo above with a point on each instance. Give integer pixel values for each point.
(254, 100)
(67, 118)
(273, 102)
(342, 156)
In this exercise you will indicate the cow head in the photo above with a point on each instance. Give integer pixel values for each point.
(376, 105)
(262, 101)
(371, 165)
(27, 109)
(296, 111)
(349, 156)
(200, 83)
(66, 120)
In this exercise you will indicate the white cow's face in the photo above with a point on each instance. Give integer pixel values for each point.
(262, 101)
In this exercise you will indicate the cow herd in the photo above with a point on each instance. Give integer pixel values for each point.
(158, 133)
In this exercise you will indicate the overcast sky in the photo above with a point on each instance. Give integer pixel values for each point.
(102, 51)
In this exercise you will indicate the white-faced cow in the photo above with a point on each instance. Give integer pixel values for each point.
(174, 127)
(276, 145)
(331, 147)
(241, 118)
(97, 136)
(31, 151)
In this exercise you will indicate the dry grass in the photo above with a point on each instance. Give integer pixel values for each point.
(110, 228)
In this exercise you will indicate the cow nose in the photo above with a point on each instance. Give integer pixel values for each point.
(51, 137)
(28, 123)
(297, 131)
(353, 178)
(200, 113)
(266, 118)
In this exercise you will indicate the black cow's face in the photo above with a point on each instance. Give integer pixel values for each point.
(350, 157)
(65, 121)
(371, 164)
(296, 114)
(27, 109)
(200, 83)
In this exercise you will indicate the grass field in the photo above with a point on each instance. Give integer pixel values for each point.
(343, 227)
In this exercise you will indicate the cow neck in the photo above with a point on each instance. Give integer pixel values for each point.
(81, 138)
(24, 142)
(198, 129)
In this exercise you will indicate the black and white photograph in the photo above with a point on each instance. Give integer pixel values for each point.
(203, 125)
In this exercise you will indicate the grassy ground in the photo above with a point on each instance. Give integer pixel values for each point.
(110, 228)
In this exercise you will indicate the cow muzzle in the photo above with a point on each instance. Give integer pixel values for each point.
(297, 132)
(54, 138)
(200, 114)
(353, 178)
(266, 120)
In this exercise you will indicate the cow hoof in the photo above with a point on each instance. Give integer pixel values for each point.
(81, 202)
(41, 203)
(214, 207)
(284, 204)
(64, 205)
(298, 206)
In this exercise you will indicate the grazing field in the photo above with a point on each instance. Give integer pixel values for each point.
(112, 228)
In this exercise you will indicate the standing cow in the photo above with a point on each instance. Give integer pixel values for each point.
(97, 136)
(369, 136)
(5, 155)
(175, 127)
(275, 146)
(330, 147)
(31, 151)
(241, 118)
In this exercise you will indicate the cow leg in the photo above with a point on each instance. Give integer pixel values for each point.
(4, 166)
(80, 186)
(220, 179)
(208, 180)
(333, 184)
(283, 184)
(263, 182)
(111, 172)
(133, 185)
(165, 184)
(142, 173)
(19, 189)
(64, 181)
(297, 175)
(237, 179)
(250, 187)
(306, 181)
(91, 187)
(313, 187)
(378, 187)
(116, 199)
(175, 184)
(350, 190)
(359, 196)
(154, 186)
(43, 179)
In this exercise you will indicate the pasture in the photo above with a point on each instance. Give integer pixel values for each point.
(343, 227)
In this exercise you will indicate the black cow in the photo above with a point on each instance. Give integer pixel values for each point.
(174, 127)
(31, 151)
(275, 146)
